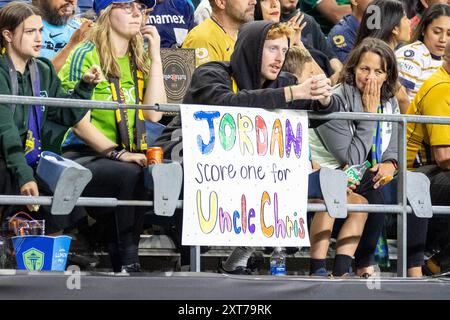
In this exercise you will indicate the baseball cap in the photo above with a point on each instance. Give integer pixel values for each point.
(149, 3)
(99, 5)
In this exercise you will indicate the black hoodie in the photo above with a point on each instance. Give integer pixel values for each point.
(211, 83)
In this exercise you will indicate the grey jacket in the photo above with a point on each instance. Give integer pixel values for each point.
(351, 141)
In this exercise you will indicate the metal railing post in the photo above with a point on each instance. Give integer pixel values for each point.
(195, 258)
(401, 198)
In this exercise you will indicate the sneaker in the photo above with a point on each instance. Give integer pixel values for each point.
(131, 268)
(83, 260)
(81, 253)
(256, 261)
(321, 272)
(239, 270)
(348, 274)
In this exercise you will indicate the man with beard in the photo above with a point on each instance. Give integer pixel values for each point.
(214, 39)
(61, 32)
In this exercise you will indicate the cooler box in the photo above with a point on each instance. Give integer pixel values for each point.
(35, 253)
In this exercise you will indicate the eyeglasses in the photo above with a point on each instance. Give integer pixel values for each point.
(130, 6)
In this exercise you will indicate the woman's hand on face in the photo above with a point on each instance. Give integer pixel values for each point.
(371, 96)
(93, 75)
(150, 33)
(137, 158)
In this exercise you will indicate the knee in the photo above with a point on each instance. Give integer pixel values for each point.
(355, 198)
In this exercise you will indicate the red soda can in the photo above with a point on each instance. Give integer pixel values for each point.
(155, 155)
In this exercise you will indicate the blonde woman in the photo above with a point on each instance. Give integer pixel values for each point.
(116, 140)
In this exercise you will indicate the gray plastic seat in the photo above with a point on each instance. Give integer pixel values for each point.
(65, 178)
(418, 194)
(166, 180)
(334, 190)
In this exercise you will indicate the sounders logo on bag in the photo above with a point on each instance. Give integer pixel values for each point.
(33, 259)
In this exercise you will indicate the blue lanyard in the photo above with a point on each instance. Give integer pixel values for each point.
(377, 140)
(35, 112)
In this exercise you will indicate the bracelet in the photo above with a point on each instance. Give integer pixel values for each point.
(115, 155)
(121, 153)
(394, 163)
(292, 94)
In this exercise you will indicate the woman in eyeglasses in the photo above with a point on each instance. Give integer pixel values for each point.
(117, 141)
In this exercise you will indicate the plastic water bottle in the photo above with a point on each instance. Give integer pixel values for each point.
(277, 263)
(382, 251)
(356, 172)
(6, 253)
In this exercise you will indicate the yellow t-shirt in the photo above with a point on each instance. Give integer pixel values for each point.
(433, 99)
(210, 41)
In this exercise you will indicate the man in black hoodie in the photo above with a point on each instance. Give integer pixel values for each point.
(253, 78)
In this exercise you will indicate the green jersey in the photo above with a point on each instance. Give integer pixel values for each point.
(79, 61)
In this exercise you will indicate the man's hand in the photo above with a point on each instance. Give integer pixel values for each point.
(30, 189)
(80, 34)
(93, 75)
(315, 88)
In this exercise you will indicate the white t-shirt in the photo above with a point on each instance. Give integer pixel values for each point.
(415, 65)
(322, 156)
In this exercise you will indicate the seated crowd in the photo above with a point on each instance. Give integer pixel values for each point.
(249, 53)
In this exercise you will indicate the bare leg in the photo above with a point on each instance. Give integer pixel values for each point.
(415, 272)
(320, 233)
(352, 229)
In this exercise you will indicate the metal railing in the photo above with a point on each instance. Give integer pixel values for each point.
(401, 209)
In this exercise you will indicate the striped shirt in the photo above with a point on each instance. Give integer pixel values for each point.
(416, 64)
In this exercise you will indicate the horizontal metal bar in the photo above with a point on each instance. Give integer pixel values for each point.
(317, 207)
(113, 202)
(82, 201)
(363, 116)
(84, 104)
(167, 107)
(47, 201)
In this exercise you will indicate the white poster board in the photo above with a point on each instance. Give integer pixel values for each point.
(245, 176)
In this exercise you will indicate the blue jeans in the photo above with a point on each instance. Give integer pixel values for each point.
(154, 130)
(314, 189)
